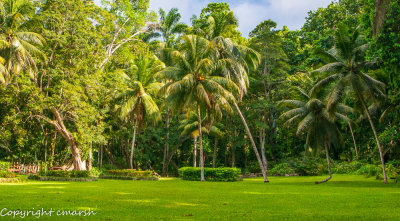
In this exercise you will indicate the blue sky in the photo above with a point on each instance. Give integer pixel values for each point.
(250, 13)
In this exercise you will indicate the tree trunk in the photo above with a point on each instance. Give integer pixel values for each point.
(375, 134)
(53, 147)
(133, 145)
(98, 157)
(215, 151)
(354, 139)
(45, 153)
(89, 162)
(60, 127)
(166, 148)
(201, 145)
(262, 144)
(329, 165)
(233, 156)
(101, 157)
(195, 152)
(253, 144)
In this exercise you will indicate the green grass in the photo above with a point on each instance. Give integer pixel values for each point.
(285, 198)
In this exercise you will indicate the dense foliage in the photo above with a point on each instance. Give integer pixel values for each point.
(118, 86)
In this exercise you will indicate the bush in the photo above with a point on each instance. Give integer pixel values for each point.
(113, 177)
(69, 179)
(370, 170)
(307, 166)
(17, 179)
(129, 173)
(282, 169)
(95, 172)
(68, 174)
(7, 174)
(4, 166)
(210, 174)
(347, 168)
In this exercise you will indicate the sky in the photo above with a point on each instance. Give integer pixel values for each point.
(250, 13)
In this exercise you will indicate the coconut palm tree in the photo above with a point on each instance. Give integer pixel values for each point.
(346, 67)
(235, 62)
(189, 126)
(317, 121)
(170, 25)
(193, 87)
(140, 85)
(19, 45)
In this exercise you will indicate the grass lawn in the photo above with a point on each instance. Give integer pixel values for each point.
(285, 198)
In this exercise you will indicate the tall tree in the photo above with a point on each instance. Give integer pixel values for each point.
(317, 121)
(195, 88)
(346, 66)
(137, 100)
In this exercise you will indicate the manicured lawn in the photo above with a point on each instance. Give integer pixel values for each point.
(285, 198)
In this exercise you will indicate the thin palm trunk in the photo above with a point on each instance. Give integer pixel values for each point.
(264, 172)
(53, 147)
(375, 134)
(329, 165)
(166, 147)
(195, 152)
(262, 144)
(133, 144)
(201, 145)
(89, 166)
(215, 152)
(354, 139)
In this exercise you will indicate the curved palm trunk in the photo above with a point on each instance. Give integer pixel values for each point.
(375, 134)
(264, 172)
(329, 166)
(195, 152)
(133, 145)
(201, 145)
(354, 139)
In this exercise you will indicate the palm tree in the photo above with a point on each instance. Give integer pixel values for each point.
(194, 87)
(18, 44)
(317, 121)
(137, 99)
(345, 67)
(236, 61)
(170, 26)
(189, 126)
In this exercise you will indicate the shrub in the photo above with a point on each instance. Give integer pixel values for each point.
(68, 174)
(210, 174)
(7, 174)
(347, 168)
(4, 166)
(307, 166)
(95, 172)
(282, 169)
(114, 177)
(130, 173)
(17, 179)
(370, 170)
